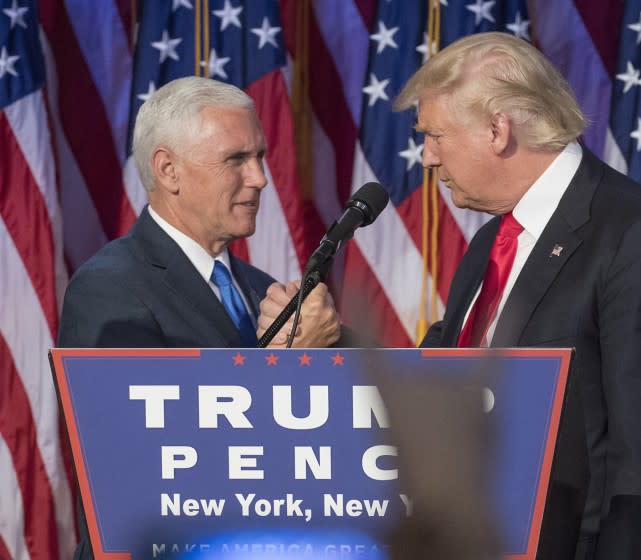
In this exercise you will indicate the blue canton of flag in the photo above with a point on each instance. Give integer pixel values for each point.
(625, 117)
(21, 61)
(393, 151)
(246, 44)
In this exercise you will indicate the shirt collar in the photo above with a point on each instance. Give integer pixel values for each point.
(201, 259)
(537, 205)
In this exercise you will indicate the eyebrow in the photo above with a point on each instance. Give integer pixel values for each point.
(245, 154)
(426, 129)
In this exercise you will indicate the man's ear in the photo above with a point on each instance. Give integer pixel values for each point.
(501, 128)
(163, 162)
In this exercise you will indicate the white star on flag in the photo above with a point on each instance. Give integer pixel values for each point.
(228, 15)
(520, 27)
(482, 10)
(422, 48)
(630, 78)
(181, 4)
(150, 91)
(637, 135)
(413, 154)
(216, 65)
(266, 34)
(637, 27)
(16, 14)
(376, 90)
(443, 2)
(384, 37)
(167, 47)
(7, 62)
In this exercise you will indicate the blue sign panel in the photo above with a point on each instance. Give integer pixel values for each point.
(220, 453)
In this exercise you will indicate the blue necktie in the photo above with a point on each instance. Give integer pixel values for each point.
(233, 304)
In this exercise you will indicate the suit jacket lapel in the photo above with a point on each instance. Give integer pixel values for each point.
(253, 298)
(476, 261)
(183, 279)
(544, 263)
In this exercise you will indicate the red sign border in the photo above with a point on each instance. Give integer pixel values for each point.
(57, 356)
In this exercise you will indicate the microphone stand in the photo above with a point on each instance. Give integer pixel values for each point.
(310, 281)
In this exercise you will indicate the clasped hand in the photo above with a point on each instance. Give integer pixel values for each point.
(319, 324)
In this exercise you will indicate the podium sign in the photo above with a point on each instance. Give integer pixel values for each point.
(192, 450)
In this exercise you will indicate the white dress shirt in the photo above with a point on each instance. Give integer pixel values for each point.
(203, 262)
(533, 212)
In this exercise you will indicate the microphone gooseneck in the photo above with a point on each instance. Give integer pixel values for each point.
(363, 207)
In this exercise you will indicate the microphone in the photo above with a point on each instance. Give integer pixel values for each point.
(361, 209)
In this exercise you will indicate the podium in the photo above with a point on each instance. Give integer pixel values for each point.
(197, 453)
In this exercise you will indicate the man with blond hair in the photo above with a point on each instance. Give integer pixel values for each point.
(558, 266)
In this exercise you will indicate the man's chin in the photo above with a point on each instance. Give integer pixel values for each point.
(460, 201)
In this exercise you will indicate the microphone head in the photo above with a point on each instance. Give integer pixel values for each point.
(371, 199)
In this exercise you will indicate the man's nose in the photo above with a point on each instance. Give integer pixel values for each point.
(430, 159)
(255, 176)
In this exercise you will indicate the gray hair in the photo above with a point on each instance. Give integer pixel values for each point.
(488, 73)
(171, 117)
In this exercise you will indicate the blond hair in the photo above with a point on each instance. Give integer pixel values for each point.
(489, 73)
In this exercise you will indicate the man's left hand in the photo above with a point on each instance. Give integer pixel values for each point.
(319, 324)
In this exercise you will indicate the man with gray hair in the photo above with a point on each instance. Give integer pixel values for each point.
(199, 148)
(171, 282)
(558, 266)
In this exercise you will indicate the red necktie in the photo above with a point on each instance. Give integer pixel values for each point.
(498, 269)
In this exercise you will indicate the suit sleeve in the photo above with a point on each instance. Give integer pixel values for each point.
(620, 347)
(433, 338)
(100, 313)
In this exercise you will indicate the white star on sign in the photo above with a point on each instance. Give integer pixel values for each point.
(376, 90)
(6, 63)
(422, 48)
(520, 27)
(216, 65)
(413, 154)
(637, 27)
(181, 4)
(167, 47)
(228, 15)
(630, 78)
(482, 10)
(637, 135)
(384, 37)
(16, 14)
(266, 34)
(150, 91)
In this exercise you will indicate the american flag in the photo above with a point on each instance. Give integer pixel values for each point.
(73, 73)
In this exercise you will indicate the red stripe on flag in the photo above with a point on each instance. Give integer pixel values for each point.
(125, 9)
(366, 307)
(4, 552)
(327, 98)
(24, 212)
(367, 8)
(272, 104)
(85, 123)
(451, 242)
(240, 250)
(18, 430)
(603, 22)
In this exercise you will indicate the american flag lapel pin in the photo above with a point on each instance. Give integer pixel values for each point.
(556, 252)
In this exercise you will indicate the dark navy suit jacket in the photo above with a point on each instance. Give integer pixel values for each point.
(587, 297)
(141, 291)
